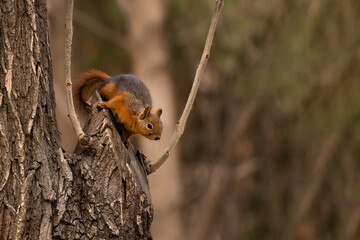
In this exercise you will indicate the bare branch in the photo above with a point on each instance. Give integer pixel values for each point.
(68, 42)
(180, 126)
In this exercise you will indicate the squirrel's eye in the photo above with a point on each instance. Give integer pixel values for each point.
(149, 126)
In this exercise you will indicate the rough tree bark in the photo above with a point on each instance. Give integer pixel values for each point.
(29, 138)
(110, 198)
(99, 192)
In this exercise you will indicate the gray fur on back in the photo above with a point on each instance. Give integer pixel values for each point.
(129, 82)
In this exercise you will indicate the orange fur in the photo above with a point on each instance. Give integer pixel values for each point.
(123, 113)
(108, 91)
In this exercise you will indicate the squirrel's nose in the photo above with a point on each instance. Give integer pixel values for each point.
(157, 138)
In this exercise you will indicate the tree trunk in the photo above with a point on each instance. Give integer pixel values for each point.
(29, 138)
(95, 193)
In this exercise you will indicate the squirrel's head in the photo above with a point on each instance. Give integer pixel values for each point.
(150, 123)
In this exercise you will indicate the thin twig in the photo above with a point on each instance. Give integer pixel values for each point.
(180, 126)
(68, 42)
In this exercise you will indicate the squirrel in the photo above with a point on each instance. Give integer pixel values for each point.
(127, 96)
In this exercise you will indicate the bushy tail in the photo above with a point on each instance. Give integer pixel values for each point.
(84, 87)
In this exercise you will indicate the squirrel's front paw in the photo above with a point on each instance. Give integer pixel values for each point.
(101, 105)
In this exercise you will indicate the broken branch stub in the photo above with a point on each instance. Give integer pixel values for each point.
(111, 196)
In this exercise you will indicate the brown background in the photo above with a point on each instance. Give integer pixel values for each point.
(271, 150)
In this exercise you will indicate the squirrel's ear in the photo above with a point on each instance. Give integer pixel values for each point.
(159, 112)
(145, 113)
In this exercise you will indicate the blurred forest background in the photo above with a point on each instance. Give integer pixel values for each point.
(271, 149)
